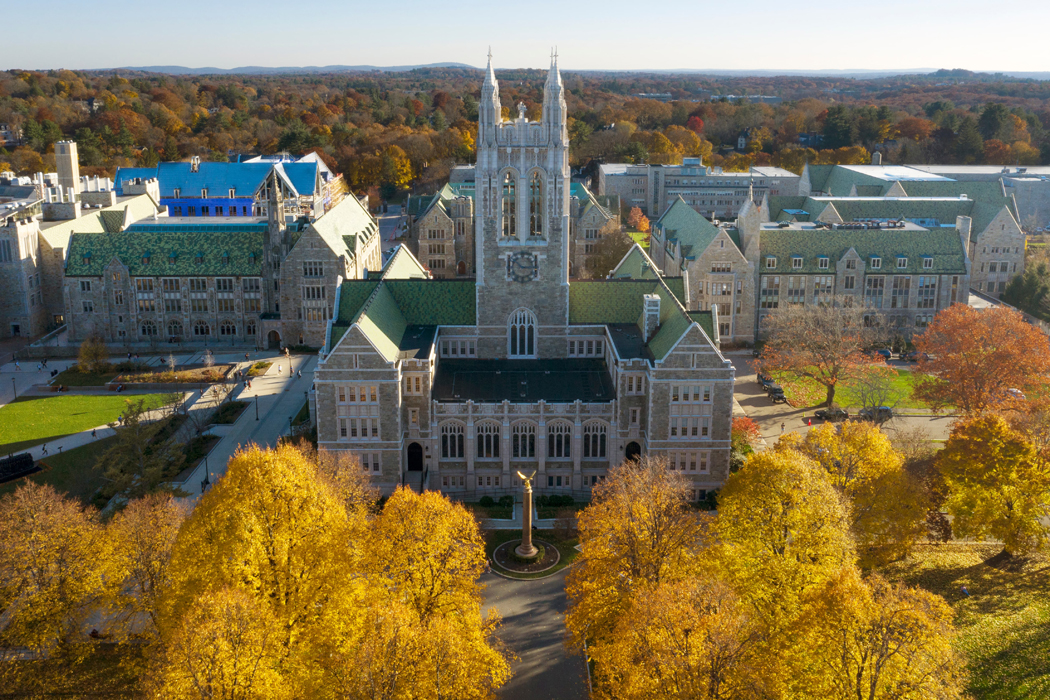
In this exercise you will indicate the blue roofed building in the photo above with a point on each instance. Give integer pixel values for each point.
(196, 189)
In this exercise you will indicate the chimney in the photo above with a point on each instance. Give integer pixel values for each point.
(650, 315)
(68, 166)
(963, 225)
(876, 158)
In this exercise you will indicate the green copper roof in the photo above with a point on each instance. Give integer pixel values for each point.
(382, 323)
(608, 301)
(403, 265)
(684, 224)
(178, 254)
(944, 246)
(635, 265)
(352, 296)
(706, 320)
(435, 302)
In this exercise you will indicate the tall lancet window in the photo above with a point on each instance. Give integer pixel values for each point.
(522, 334)
(509, 207)
(535, 205)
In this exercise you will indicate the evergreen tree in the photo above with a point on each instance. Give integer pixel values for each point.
(840, 130)
(969, 147)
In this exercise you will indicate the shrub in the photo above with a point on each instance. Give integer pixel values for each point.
(541, 501)
(487, 502)
(506, 501)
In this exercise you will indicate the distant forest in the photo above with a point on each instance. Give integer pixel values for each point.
(390, 131)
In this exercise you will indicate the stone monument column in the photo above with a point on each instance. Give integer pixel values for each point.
(526, 549)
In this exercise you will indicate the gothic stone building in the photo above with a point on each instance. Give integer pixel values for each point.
(440, 227)
(267, 283)
(458, 384)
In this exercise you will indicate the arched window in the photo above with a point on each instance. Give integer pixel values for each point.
(523, 440)
(175, 329)
(559, 440)
(201, 328)
(149, 328)
(594, 440)
(522, 334)
(487, 437)
(227, 328)
(535, 205)
(452, 441)
(508, 206)
(249, 329)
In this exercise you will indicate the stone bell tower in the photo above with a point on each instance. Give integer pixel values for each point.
(522, 224)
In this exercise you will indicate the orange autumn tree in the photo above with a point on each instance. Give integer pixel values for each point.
(976, 357)
(822, 345)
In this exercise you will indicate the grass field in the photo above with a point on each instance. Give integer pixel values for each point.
(640, 238)
(70, 472)
(74, 377)
(1003, 625)
(32, 421)
(847, 396)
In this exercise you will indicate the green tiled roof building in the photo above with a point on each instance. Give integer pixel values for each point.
(456, 384)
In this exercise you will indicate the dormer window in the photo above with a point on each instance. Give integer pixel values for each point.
(87, 258)
(927, 263)
(145, 258)
(251, 258)
(225, 258)
(902, 263)
(822, 262)
(200, 258)
(204, 193)
(796, 263)
(177, 193)
(233, 193)
(171, 258)
(876, 263)
(771, 263)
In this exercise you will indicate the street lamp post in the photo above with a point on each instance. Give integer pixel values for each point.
(14, 389)
(256, 407)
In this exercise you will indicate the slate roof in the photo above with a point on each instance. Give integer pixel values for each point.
(403, 265)
(523, 381)
(195, 252)
(635, 265)
(339, 226)
(943, 245)
(706, 319)
(921, 210)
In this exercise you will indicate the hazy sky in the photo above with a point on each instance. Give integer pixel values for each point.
(666, 34)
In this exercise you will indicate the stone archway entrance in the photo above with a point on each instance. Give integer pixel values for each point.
(633, 451)
(415, 457)
(273, 340)
(461, 270)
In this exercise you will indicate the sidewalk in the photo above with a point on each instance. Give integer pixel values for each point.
(278, 397)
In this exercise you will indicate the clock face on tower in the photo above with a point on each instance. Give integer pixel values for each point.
(523, 267)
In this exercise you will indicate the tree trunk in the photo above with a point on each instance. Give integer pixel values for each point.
(831, 395)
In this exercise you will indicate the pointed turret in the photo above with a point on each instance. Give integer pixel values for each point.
(490, 110)
(554, 107)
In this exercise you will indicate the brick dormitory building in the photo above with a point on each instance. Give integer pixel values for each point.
(460, 383)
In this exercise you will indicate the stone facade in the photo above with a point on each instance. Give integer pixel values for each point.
(410, 382)
(997, 253)
(23, 307)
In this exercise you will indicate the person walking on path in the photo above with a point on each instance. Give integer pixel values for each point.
(39, 367)
(280, 369)
(45, 449)
(782, 428)
(245, 357)
(299, 374)
(18, 367)
(94, 433)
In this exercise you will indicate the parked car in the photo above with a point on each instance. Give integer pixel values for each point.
(777, 395)
(770, 388)
(765, 380)
(881, 352)
(879, 415)
(915, 356)
(834, 414)
(1016, 394)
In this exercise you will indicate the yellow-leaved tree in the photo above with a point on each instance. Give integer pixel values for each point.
(783, 529)
(638, 532)
(998, 484)
(53, 571)
(886, 505)
(142, 536)
(228, 646)
(688, 640)
(875, 640)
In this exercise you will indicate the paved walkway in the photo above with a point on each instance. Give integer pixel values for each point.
(275, 397)
(534, 629)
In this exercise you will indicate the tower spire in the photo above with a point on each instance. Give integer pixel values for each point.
(490, 111)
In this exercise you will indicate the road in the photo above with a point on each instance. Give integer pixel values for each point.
(534, 629)
(770, 416)
(389, 227)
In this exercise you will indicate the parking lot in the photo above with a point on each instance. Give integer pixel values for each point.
(770, 416)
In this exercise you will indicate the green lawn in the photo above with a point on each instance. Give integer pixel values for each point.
(30, 420)
(70, 472)
(1004, 624)
(566, 548)
(495, 512)
(640, 238)
(847, 396)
